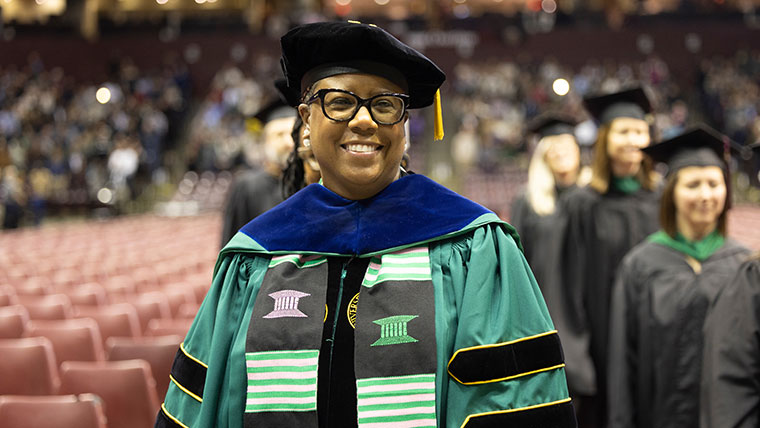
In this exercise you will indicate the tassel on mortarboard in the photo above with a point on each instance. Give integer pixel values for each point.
(437, 117)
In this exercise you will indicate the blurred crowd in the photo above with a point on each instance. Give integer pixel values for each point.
(60, 148)
(65, 145)
(493, 101)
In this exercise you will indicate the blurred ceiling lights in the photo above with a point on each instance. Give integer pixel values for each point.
(30, 11)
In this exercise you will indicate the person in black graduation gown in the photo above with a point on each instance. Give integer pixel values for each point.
(665, 286)
(616, 211)
(257, 190)
(540, 218)
(730, 396)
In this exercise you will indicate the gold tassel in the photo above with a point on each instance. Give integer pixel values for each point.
(437, 117)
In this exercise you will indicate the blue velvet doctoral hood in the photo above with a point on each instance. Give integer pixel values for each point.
(411, 210)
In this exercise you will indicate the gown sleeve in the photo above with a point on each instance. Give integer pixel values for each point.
(208, 372)
(622, 385)
(499, 358)
(731, 361)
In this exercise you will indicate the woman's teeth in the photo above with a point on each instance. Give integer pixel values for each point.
(361, 148)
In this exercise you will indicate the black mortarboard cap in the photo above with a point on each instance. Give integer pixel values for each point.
(277, 108)
(632, 103)
(552, 123)
(698, 146)
(314, 51)
(289, 96)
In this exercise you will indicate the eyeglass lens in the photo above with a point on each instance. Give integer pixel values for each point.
(385, 109)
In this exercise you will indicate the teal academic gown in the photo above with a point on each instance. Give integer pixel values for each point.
(466, 339)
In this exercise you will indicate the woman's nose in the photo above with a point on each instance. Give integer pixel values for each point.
(363, 120)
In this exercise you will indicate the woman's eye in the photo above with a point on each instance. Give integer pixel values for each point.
(340, 102)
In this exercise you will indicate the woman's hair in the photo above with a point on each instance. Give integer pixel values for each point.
(541, 190)
(601, 172)
(293, 175)
(668, 208)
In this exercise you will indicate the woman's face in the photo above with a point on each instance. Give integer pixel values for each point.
(699, 196)
(625, 139)
(563, 155)
(360, 157)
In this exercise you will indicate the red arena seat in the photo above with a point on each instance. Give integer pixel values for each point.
(164, 327)
(52, 411)
(117, 320)
(158, 351)
(150, 306)
(126, 387)
(28, 367)
(88, 294)
(7, 295)
(48, 307)
(13, 320)
(75, 339)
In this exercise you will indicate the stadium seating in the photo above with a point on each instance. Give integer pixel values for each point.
(47, 307)
(13, 320)
(126, 387)
(158, 351)
(52, 411)
(87, 294)
(73, 339)
(116, 320)
(7, 295)
(164, 327)
(28, 367)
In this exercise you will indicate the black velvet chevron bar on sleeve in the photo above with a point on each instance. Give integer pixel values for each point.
(189, 373)
(559, 415)
(493, 363)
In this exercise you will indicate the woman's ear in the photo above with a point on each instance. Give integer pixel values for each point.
(305, 113)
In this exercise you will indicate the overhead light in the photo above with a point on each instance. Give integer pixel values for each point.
(103, 95)
(561, 87)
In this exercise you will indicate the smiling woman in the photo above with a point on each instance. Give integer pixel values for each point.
(378, 297)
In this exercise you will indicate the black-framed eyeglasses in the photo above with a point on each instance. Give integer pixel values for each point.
(342, 106)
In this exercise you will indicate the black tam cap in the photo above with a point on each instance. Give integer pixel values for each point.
(631, 103)
(699, 146)
(552, 123)
(289, 96)
(315, 51)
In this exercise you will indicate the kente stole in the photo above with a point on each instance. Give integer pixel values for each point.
(394, 342)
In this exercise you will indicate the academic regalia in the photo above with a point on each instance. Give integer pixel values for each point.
(731, 365)
(662, 294)
(414, 307)
(542, 237)
(730, 396)
(449, 320)
(252, 193)
(602, 229)
(658, 312)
